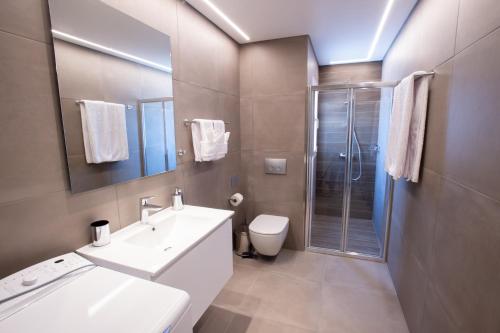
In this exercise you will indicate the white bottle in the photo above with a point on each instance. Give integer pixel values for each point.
(177, 203)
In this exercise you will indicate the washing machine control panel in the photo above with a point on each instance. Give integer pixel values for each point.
(38, 274)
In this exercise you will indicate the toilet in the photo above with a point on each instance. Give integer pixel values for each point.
(268, 233)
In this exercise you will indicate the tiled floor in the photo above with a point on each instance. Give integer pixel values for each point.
(326, 232)
(303, 292)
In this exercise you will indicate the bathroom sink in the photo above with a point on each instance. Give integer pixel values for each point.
(163, 234)
(148, 249)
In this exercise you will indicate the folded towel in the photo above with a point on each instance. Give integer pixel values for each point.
(104, 131)
(221, 139)
(407, 127)
(209, 139)
(203, 139)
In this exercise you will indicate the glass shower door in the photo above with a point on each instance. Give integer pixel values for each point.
(348, 204)
(366, 213)
(331, 131)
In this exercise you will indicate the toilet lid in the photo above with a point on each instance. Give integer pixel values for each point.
(268, 224)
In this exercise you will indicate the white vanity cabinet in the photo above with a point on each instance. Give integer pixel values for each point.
(189, 249)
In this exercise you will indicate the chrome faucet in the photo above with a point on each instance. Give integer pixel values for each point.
(145, 207)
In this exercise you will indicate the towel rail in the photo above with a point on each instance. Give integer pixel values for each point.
(188, 122)
(377, 84)
(129, 107)
(425, 74)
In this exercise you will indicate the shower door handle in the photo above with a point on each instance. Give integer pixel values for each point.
(343, 156)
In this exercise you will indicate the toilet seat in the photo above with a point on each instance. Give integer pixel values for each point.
(268, 224)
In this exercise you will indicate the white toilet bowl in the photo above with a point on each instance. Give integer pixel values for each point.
(268, 233)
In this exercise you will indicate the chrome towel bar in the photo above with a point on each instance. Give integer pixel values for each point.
(188, 122)
(129, 107)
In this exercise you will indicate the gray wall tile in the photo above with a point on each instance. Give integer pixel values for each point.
(276, 67)
(31, 141)
(411, 292)
(465, 265)
(419, 219)
(229, 111)
(477, 18)
(279, 123)
(27, 18)
(436, 318)
(38, 228)
(246, 123)
(473, 118)
(192, 49)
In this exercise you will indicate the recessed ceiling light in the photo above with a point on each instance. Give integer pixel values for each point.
(376, 38)
(380, 28)
(108, 50)
(227, 19)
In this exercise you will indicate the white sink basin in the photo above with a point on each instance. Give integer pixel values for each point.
(163, 234)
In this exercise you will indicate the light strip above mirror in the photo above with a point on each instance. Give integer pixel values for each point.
(108, 50)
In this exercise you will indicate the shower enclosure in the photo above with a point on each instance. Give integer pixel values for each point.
(349, 193)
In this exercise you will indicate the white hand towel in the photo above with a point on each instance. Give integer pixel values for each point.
(221, 139)
(196, 135)
(203, 139)
(209, 139)
(417, 129)
(407, 127)
(104, 130)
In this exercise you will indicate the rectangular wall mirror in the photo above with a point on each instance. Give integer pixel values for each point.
(115, 92)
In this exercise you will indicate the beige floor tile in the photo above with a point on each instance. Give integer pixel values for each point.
(235, 295)
(301, 265)
(297, 264)
(373, 276)
(287, 300)
(303, 292)
(237, 302)
(347, 309)
(243, 278)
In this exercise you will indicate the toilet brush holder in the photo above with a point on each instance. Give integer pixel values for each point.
(243, 244)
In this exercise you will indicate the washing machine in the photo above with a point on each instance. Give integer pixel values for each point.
(70, 294)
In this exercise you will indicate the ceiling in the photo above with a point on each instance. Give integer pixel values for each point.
(342, 31)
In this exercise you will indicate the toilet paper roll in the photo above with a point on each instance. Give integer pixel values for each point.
(236, 199)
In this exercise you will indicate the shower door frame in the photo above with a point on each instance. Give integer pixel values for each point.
(311, 171)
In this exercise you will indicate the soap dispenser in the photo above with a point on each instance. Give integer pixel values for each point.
(177, 203)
